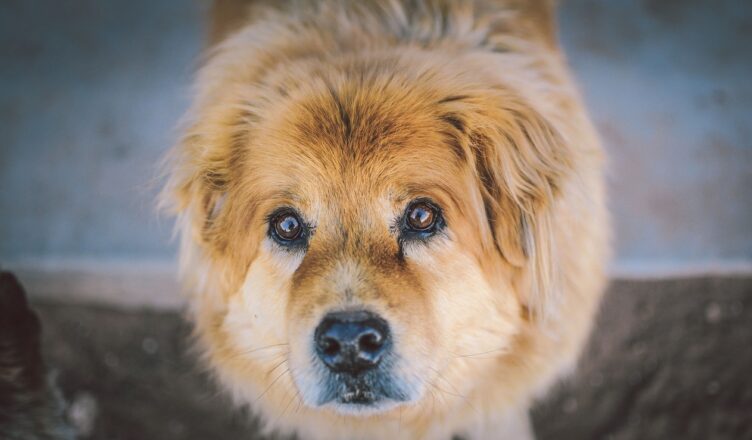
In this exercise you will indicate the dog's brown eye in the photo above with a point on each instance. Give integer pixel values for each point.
(421, 216)
(287, 226)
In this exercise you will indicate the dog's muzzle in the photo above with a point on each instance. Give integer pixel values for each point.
(356, 349)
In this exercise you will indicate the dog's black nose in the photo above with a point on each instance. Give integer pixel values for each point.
(352, 342)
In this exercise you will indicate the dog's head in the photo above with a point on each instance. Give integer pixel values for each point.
(364, 233)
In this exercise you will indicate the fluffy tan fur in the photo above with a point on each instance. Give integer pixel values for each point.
(347, 110)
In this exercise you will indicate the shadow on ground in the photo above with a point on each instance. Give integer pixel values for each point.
(668, 360)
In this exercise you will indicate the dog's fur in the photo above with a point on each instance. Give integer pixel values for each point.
(347, 111)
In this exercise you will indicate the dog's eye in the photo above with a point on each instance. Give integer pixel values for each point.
(285, 226)
(421, 216)
(422, 219)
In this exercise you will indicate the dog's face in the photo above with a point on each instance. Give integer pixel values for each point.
(369, 235)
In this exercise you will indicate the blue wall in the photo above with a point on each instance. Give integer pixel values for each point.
(91, 91)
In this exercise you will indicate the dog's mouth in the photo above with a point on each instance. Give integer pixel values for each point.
(358, 396)
(368, 393)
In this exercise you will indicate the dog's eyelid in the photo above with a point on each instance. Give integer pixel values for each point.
(287, 208)
(300, 241)
(408, 233)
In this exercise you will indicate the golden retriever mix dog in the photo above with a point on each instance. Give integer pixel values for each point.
(392, 215)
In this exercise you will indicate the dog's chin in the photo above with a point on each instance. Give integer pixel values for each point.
(360, 406)
(362, 396)
(370, 394)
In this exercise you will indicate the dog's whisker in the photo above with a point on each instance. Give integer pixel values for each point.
(440, 392)
(399, 423)
(287, 370)
(253, 350)
(442, 377)
(300, 401)
(465, 400)
(271, 357)
(433, 402)
(478, 355)
(451, 385)
(268, 373)
(456, 393)
(292, 398)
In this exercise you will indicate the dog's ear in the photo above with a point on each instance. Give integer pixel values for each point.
(197, 186)
(202, 175)
(522, 162)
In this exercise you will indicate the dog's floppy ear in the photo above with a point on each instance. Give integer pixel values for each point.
(202, 170)
(197, 185)
(522, 162)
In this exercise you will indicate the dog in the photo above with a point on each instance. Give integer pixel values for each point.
(31, 405)
(391, 215)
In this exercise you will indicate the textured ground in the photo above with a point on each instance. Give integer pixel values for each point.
(668, 360)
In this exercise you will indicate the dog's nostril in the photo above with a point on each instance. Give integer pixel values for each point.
(351, 342)
(329, 346)
(370, 341)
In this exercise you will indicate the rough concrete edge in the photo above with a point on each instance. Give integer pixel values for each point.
(126, 284)
(152, 284)
(668, 269)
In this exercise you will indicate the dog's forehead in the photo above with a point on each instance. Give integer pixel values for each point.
(359, 149)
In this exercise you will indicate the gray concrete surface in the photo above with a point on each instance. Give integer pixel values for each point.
(667, 360)
(90, 92)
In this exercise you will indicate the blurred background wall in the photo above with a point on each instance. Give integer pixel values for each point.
(91, 92)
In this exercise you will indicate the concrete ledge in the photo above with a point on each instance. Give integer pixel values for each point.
(125, 284)
(152, 284)
(666, 269)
